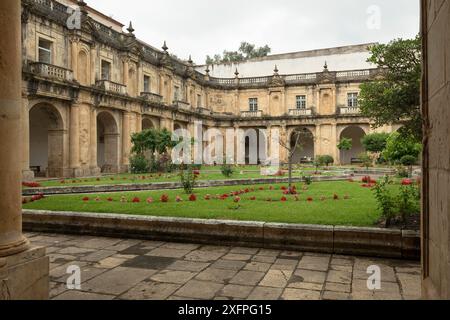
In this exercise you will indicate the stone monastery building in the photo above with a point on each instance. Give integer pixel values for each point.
(85, 91)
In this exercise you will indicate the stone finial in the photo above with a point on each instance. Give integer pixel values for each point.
(236, 73)
(207, 70)
(275, 71)
(164, 47)
(130, 28)
(325, 67)
(190, 60)
(82, 4)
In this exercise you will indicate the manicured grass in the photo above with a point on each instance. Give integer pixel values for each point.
(206, 174)
(359, 210)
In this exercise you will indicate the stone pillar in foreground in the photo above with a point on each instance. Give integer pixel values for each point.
(75, 140)
(23, 270)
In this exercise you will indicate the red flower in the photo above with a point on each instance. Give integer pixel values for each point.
(110, 199)
(407, 182)
(366, 179)
(283, 188)
(310, 199)
(192, 198)
(286, 192)
(247, 190)
(208, 197)
(196, 172)
(136, 200)
(237, 199)
(85, 199)
(253, 198)
(164, 198)
(261, 188)
(31, 184)
(283, 199)
(149, 200)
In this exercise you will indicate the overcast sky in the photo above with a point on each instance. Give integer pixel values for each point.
(201, 27)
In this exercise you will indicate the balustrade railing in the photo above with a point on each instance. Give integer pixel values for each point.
(152, 97)
(110, 86)
(51, 71)
(350, 110)
(251, 114)
(300, 112)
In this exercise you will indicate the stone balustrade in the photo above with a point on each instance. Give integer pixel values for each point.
(349, 110)
(251, 114)
(183, 105)
(110, 86)
(152, 97)
(300, 112)
(51, 71)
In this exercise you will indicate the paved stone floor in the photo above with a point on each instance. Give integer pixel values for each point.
(134, 269)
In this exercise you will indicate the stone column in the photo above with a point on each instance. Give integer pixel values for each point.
(318, 141)
(334, 144)
(138, 122)
(23, 271)
(126, 140)
(27, 174)
(74, 139)
(11, 239)
(93, 163)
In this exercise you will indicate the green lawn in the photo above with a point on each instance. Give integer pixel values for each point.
(358, 210)
(206, 174)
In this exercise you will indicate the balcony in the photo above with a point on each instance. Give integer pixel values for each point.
(152, 97)
(183, 105)
(251, 114)
(300, 112)
(110, 86)
(50, 71)
(349, 110)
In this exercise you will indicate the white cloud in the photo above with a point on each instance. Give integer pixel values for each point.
(201, 27)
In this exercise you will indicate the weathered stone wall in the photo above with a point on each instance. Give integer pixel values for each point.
(436, 107)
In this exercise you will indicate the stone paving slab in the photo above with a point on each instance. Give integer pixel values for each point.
(125, 269)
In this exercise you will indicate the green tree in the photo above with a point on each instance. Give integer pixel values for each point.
(395, 97)
(375, 142)
(246, 51)
(398, 146)
(345, 144)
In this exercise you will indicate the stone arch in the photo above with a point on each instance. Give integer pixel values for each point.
(147, 124)
(83, 67)
(46, 140)
(356, 133)
(107, 142)
(305, 150)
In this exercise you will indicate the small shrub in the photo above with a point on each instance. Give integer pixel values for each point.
(188, 179)
(386, 202)
(139, 164)
(227, 170)
(308, 180)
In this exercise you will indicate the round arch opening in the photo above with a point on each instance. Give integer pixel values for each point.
(107, 143)
(46, 141)
(356, 134)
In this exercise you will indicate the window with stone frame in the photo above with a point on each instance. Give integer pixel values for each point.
(106, 70)
(147, 83)
(300, 102)
(253, 104)
(45, 51)
(352, 100)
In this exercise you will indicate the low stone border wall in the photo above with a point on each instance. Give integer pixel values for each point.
(313, 238)
(167, 185)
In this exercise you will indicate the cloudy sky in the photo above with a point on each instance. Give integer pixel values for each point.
(201, 27)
